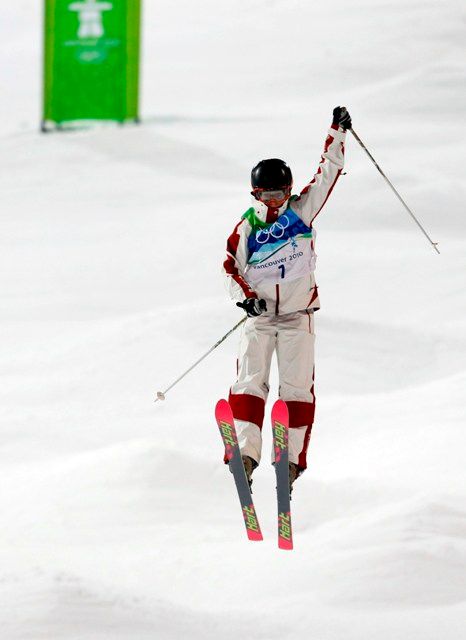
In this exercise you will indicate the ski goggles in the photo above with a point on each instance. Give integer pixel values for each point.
(271, 194)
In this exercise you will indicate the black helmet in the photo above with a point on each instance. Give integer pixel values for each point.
(271, 174)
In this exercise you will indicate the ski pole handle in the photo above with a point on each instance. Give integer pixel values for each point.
(161, 394)
(361, 143)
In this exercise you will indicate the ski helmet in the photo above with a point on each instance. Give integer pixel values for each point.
(271, 174)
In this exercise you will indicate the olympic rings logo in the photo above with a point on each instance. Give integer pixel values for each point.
(276, 231)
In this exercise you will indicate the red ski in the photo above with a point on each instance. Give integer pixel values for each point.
(280, 423)
(226, 425)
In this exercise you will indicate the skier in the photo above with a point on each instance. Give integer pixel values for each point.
(269, 270)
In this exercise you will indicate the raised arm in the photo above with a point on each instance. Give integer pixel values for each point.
(314, 195)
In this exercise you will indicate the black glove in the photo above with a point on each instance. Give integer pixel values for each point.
(342, 118)
(253, 307)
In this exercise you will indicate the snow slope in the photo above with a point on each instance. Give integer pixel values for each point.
(117, 518)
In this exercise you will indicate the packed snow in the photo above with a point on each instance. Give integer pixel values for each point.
(118, 519)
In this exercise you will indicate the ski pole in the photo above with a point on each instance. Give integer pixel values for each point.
(161, 394)
(361, 143)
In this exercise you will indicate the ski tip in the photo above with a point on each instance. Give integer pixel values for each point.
(223, 410)
(287, 545)
(221, 405)
(280, 410)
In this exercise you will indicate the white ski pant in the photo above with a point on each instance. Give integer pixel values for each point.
(292, 337)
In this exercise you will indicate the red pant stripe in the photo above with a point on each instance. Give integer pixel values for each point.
(247, 407)
(302, 460)
(301, 413)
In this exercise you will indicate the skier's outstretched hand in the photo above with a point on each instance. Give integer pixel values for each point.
(342, 117)
(253, 306)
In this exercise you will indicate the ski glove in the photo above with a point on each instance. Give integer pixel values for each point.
(342, 117)
(253, 306)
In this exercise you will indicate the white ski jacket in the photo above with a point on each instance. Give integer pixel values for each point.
(271, 252)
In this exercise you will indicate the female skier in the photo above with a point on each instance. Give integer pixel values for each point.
(269, 270)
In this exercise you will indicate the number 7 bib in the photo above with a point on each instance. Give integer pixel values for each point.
(281, 251)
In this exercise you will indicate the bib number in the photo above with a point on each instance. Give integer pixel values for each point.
(292, 261)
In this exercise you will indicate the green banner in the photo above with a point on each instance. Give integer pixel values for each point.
(91, 61)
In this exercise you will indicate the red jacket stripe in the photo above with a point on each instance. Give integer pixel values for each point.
(230, 263)
(327, 196)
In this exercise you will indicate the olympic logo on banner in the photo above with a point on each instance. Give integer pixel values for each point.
(276, 231)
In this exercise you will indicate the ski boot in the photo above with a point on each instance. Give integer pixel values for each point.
(249, 466)
(294, 472)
